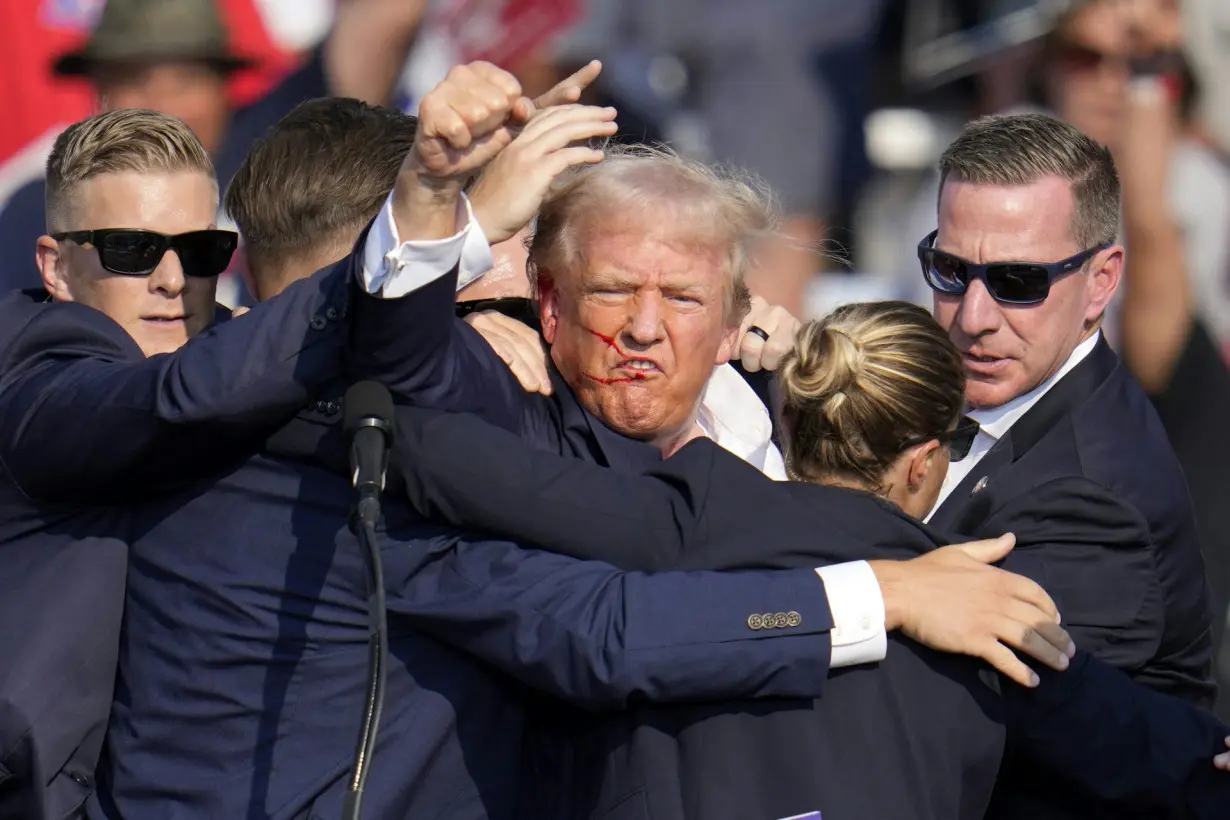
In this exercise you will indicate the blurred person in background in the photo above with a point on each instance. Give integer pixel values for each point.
(173, 56)
(1168, 337)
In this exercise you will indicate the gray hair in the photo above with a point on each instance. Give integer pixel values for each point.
(722, 206)
(1021, 149)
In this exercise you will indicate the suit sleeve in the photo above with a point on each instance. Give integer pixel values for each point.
(1069, 528)
(602, 638)
(430, 358)
(86, 418)
(1120, 744)
(467, 473)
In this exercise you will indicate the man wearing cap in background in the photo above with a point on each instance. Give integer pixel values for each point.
(173, 56)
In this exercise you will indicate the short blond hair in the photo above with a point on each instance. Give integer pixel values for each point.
(124, 140)
(721, 206)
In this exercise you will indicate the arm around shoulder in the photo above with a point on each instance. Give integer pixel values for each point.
(601, 638)
(86, 418)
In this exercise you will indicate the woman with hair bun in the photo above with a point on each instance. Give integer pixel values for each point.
(871, 400)
(871, 404)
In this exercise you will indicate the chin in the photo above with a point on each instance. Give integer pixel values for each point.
(982, 395)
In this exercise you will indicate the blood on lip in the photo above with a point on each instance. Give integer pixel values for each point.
(610, 341)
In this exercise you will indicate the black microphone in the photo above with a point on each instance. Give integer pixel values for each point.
(367, 413)
(368, 423)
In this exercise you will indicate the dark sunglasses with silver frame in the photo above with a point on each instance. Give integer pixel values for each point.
(959, 439)
(135, 252)
(1013, 283)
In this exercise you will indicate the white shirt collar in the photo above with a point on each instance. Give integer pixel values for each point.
(996, 421)
(736, 419)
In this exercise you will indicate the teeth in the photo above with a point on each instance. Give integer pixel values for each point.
(640, 366)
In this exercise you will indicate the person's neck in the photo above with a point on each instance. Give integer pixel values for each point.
(671, 444)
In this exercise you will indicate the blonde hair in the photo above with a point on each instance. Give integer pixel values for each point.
(716, 206)
(127, 139)
(862, 382)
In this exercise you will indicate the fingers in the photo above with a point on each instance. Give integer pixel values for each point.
(474, 100)
(1029, 592)
(1222, 761)
(518, 345)
(991, 550)
(580, 155)
(546, 127)
(569, 89)
(1007, 663)
(1032, 633)
(758, 353)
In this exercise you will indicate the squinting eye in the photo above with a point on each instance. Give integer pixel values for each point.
(686, 300)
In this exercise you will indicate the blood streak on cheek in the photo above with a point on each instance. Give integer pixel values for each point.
(610, 341)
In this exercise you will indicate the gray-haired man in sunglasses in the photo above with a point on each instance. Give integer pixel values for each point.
(1070, 457)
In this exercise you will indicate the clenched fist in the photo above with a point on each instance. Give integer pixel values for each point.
(464, 122)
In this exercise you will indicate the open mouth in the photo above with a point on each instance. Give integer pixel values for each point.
(642, 366)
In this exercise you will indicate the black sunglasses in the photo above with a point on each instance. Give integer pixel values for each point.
(1013, 283)
(959, 439)
(131, 252)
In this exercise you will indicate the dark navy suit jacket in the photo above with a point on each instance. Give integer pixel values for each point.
(920, 735)
(86, 421)
(243, 658)
(1090, 486)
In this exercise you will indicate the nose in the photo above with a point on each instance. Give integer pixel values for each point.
(168, 278)
(979, 313)
(645, 325)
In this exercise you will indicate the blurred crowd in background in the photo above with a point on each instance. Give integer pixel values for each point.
(843, 107)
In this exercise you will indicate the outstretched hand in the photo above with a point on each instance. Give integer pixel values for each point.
(953, 600)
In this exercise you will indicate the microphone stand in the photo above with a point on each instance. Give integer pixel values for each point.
(363, 524)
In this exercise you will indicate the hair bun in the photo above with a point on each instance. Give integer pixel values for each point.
(824, 367)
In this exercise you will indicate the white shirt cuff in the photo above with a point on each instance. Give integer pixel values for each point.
(476, 258)
(857, 606)
(392, 268)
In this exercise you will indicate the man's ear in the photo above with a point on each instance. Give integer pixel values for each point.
(47, 256)
(922, 462)
(1105, 273)
(548, 305)
(729, 348)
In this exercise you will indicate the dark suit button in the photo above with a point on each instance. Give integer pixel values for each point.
(793, 619)
(331, 314)
(318, 322)
(332, 407)
(81, 780)
(755, 622)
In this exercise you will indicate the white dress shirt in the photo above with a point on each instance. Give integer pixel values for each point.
(730, 413)
(995, 422)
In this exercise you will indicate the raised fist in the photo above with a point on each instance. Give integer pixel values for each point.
(465, 121)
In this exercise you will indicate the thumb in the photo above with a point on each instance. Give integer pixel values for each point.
(239, 311)
(991, 550)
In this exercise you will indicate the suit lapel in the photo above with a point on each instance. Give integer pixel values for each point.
(965, 495)
(1062, 400)
(967, 503)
